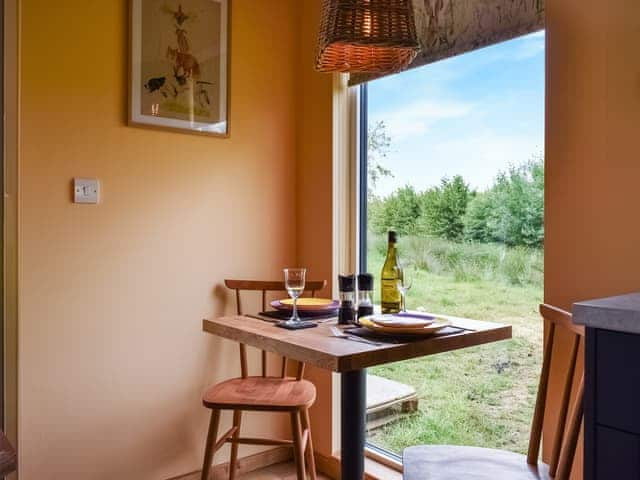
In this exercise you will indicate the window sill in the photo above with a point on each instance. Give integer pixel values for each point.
(375, 469)
(375, 456)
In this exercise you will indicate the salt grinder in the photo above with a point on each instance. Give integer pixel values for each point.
(365, 295)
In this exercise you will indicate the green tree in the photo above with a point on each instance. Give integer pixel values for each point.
(519, 204)
(378, 148)
(400, 211)
(376, 214)
(478, 218)
(444, 207)
(512, 210)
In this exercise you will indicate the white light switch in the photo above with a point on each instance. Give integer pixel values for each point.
(86, 190)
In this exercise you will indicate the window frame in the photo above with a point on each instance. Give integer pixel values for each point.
(372, 451)
(363, 180)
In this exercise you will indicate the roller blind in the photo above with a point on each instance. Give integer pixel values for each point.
(450, 27)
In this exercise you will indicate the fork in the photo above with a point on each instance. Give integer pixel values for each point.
(340, 334)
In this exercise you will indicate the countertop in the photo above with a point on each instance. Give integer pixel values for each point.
(620, 313)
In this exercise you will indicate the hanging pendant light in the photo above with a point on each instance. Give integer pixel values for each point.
(373, 36)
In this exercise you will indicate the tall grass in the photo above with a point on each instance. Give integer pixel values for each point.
(468, 261)
(480, 396)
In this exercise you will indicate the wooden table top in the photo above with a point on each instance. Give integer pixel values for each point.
(317, 347)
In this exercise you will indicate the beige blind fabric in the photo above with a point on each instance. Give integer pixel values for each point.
(450, 27)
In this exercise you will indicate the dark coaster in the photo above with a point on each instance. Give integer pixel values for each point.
(297, 326)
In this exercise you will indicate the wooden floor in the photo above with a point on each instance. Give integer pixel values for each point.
(281, 471)
(286, 471)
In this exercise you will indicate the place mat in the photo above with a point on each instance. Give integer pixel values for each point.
(284, 315)
(366, 333)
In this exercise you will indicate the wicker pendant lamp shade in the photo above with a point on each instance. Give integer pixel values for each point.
(373, 36)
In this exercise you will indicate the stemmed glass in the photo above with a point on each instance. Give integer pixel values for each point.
(405, 281)
(294, 279)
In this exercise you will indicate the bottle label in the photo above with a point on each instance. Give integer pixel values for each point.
(390, 296)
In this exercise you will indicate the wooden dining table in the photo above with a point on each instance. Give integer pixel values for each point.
(320, 348)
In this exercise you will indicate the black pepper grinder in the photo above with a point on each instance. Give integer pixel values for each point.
(365, 295)
(346, 284)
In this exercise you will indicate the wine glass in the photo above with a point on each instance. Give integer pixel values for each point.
(405, 281)
(294, 279)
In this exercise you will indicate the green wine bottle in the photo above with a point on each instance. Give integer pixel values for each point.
(389, 293)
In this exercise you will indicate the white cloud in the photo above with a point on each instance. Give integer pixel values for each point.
(477, 156)
(449, 118)
(417, 118)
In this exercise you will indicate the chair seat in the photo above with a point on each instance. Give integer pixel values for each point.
(261, 393)
(444, 462)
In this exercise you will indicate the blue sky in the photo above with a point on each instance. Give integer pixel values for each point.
(472, 115)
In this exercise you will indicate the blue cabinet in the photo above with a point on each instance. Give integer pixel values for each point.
(617, 454)
(612, 387)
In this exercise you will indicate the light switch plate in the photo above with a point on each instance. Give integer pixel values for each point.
(86, 190)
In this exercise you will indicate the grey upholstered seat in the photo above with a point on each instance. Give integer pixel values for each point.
(444, 462)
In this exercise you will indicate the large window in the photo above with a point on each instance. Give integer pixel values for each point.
(454, 163)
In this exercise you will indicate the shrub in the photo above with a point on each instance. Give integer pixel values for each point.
(419, 251)
(516, 265)
(468, 261)
(377, 243)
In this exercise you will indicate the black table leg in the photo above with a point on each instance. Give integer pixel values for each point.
(353, 416)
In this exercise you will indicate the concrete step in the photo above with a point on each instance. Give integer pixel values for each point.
(388, 400)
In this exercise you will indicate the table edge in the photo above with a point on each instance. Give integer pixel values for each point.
(357, 360)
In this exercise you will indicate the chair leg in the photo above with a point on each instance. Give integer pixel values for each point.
(298, 448)
(311, 461)
(211, 441)
(233, 463)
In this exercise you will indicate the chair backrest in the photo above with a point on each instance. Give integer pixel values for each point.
(566, 435)
(264, 287)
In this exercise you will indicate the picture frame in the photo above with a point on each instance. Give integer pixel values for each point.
(179, 65)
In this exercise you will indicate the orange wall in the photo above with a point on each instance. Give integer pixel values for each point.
(314, 190)
(593, 140)
(112, 360)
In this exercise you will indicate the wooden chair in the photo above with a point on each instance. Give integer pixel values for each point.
(473, 463)
(263, 394)
(8, 458)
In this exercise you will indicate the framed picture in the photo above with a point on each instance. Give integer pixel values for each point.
(179, 65)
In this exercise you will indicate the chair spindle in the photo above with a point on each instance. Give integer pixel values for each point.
(300, 373)
(564, 407)
(244, 371)
(568, 450)
(541, 400)
(263, 287)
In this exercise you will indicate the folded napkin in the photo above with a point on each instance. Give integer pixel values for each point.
(404, 320)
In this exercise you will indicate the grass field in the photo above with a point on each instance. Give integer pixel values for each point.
(478, 396)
